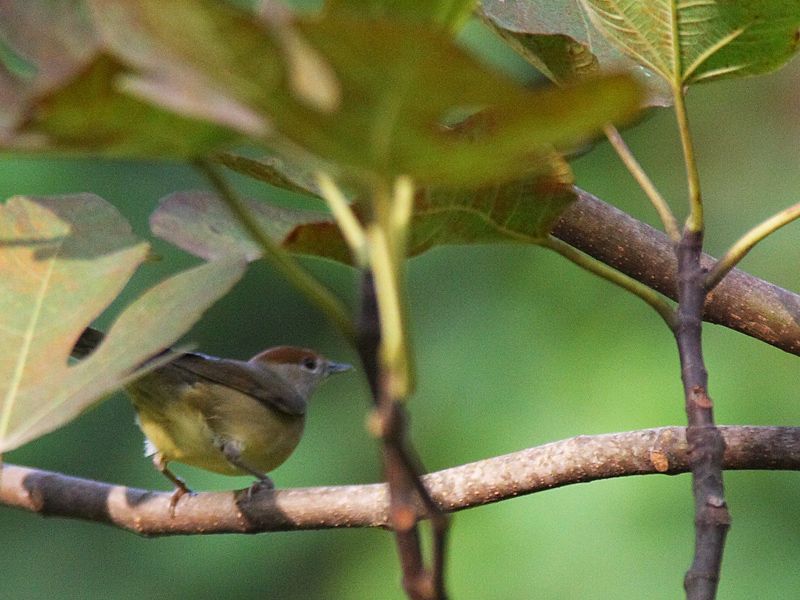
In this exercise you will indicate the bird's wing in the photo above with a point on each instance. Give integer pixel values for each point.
(266, 387)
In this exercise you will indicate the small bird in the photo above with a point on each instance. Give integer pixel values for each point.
(228, 416)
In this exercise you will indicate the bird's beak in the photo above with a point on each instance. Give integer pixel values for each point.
(334, 367)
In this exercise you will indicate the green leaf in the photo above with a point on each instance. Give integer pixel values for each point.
(521, 211)
(689, 42)
(62, 261)
(259, 62)
(396, 96)
(42, 44)
(368, 96)
(201, 224)
(272, 170)
(75, 97)
(449, 13)
(558, 39)
(392, 92)
(90, 114)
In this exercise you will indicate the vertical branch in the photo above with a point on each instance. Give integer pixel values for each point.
(381, 340)
(401, 467)
(706, 445)
(401, 512)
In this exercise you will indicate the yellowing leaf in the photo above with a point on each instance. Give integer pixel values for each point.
(62, 261)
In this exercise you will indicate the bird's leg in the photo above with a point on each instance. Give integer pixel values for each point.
(233, 453)
(180, 486)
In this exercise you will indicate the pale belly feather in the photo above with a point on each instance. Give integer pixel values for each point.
(193, 430)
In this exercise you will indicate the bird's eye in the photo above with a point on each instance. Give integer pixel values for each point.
(310, 364)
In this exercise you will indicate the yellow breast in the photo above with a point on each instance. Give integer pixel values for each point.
(191, 429)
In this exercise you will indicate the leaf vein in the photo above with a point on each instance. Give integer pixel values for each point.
(27, 341)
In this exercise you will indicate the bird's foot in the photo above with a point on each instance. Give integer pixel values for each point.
(261, 484)
(180, 491)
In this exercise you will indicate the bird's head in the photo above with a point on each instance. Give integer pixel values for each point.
(304, 369)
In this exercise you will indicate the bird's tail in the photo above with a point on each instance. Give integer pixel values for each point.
(86, 344)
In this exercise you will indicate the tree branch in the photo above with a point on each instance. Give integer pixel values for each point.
(741, 302)
(706, 444)
(566, 462)
(408, 498)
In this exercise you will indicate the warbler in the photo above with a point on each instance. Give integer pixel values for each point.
(227, 416)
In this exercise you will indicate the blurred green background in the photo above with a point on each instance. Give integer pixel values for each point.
(515, 347)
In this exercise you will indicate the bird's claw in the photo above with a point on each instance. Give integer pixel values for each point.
(180, 492)
(260, 484)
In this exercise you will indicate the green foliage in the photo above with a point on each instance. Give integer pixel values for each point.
(449, 13)
(521, 211)
(372, 102)
(664, 42)
(699, 41)
(62, 260)
(91, 115)
(558, 39)
(366, 92)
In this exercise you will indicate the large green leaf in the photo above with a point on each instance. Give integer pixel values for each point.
(62, 261)
(71, 95)
(91, 114)
(396, 94)
(369, 96)
(394, 83)
(557, 38)
(691, 41)
(521, 211)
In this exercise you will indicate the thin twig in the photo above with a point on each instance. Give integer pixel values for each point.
(746, 243)
(641, 177)
(384, 350)
(567, 462)
(279, 258)
(654, 299)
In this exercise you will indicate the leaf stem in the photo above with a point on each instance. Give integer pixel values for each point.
(694, 221)
(279, 258)
(746, 243)
(393, 344)
(387, 237)
(639, 174)
(352, 231)
(651, 297)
